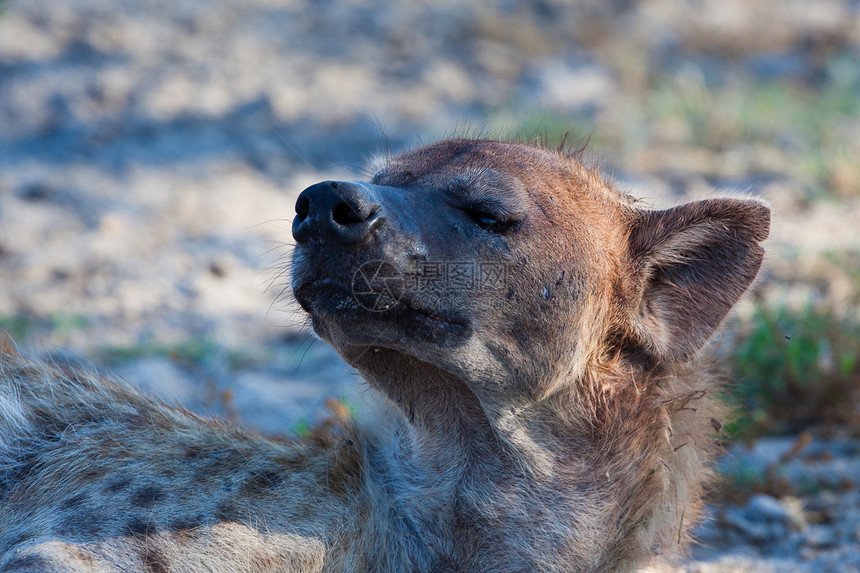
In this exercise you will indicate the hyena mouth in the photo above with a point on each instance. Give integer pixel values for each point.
(413, 319)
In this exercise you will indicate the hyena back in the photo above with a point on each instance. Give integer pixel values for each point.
(534, 337)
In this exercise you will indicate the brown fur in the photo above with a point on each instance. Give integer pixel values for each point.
(559, 421)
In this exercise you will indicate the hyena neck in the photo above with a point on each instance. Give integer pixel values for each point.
(453, 453)
(443, 425)
(466, 469)
(450, 438)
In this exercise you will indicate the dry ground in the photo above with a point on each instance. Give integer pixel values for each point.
(151, 152)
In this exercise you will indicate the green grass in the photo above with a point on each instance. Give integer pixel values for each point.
(794, 369)
(56, 327)
(189, 353)
(301, 428)
(62, 325)
(803, 127)
(340, 409)
(19, 327)
(808, 133)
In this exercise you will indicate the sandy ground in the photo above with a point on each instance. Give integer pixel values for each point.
(151, 154)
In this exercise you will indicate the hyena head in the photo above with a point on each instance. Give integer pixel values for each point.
(512, 269)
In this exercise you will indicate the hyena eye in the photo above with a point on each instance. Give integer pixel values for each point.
(491, 223)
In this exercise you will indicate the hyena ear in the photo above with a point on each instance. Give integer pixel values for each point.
(691, 265)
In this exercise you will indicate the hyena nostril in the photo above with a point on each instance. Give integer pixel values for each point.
(346, 214)
(340, 211)
(303, 207)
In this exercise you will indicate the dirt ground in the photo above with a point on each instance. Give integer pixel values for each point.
(151, 153)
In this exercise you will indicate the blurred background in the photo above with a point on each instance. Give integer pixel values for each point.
(151, 153)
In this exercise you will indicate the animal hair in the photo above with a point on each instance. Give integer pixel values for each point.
(563, 422)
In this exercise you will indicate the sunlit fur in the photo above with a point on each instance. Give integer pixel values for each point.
(589, 451)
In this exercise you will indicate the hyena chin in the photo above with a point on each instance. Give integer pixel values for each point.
(534, 337)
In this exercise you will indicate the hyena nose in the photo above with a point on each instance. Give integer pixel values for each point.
(342, 211)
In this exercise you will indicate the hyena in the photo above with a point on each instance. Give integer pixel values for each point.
(533, 335)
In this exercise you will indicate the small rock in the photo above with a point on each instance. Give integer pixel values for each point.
(37, 192)
(567, 87)
(820, 537)
(766, 508)
(737, 519)
(796, 514)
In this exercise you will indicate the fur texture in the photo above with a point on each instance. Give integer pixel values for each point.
(558, 421)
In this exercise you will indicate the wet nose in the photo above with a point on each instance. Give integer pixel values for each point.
(335, 210)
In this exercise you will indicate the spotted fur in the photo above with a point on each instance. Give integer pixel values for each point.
(571, 430)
